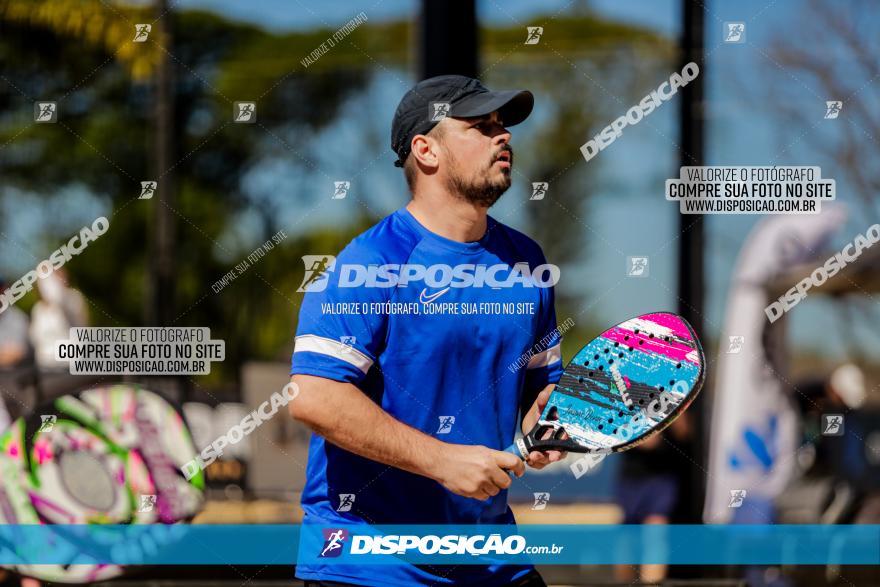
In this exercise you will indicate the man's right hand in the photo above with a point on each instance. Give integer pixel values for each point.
(345, 416)
(476, 471)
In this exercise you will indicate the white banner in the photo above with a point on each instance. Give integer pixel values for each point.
(754, 431)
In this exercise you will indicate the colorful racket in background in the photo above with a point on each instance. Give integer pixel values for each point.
(623, 387)
(110, 455)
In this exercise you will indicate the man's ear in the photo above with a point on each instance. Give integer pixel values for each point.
(426, 150)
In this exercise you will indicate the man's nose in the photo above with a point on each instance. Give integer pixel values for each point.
(503, 137)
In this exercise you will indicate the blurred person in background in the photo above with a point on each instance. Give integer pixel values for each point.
(647, 490)
(14, 344)
(838, 431)
(60, 308)
(15, 352)
(840, 393)
(834, 459)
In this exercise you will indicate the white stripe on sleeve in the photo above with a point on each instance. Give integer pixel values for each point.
(332, 348)
(546, 358)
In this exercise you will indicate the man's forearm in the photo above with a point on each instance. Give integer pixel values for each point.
(345, 416)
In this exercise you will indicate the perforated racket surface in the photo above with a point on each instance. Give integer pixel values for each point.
(624, 386)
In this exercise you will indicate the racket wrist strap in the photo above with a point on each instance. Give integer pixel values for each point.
(520, 444)
(520, 448)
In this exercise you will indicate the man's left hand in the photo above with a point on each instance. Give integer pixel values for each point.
(540, 459)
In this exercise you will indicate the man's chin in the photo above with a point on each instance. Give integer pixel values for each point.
(484, 195)
(488, 197)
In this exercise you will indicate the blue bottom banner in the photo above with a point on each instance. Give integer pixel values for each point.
(457, 545)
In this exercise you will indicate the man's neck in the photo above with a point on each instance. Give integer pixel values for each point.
(449, 217)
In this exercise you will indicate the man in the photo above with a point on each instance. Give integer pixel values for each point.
(410, 387)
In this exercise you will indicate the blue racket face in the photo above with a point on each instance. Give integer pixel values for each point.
(627, 384)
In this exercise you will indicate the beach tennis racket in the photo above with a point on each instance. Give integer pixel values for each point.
(107, 455)
(623, 387)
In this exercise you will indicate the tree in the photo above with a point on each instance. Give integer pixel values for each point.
(81, 54)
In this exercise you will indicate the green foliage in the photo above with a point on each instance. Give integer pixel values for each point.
(81, 54)
(89, 23)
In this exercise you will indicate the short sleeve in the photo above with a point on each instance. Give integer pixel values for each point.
(545, 365)
(340, 333)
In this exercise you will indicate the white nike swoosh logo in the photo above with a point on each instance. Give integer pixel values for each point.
(427, 299)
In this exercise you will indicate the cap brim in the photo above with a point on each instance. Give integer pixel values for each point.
(514, 106)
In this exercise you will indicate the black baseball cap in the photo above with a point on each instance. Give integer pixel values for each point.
(467, 98)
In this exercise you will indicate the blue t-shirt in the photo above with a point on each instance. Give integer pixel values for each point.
(445, 337)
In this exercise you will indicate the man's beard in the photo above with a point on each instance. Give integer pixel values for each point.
(480, 189)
